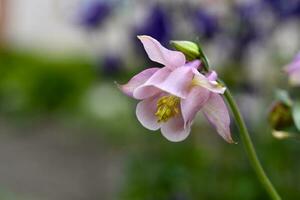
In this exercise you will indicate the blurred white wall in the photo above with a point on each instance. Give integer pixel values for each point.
(42, 24)
(51, 25)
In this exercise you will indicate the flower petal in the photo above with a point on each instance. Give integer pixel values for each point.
(294, 65)
(145, 112)
(212, 76)
(196, 98)
(174, 129)
(178, 82)
(216, 112)
(147, 89)
(160, 54)
(213, 86)
(137, 80)
(193, 64)
(293, 70)
(294, 78)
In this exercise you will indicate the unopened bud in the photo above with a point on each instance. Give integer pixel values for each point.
(280, 116)
(189, 49)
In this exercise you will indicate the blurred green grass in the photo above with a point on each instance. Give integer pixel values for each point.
(30, 82)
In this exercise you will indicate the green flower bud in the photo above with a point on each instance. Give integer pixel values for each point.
(280, 116)
(189, 49)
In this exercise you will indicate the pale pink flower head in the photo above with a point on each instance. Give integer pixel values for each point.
(172, 96)
(293, 71)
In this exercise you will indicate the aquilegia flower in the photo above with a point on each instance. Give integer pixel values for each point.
(172, 96)
(293, 70)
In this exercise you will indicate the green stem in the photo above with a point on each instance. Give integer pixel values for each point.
(250, 148)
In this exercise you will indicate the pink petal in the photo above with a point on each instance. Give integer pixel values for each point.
(216, 112)
(294, 65)
(160, 54)
(295, 78)
(178, 82)
(213, 86)
(147, 89)
(213, 76)
(196, 98)
(137, 80)
(174, 129)
(145, 112)
(193, 64)
(293, 70)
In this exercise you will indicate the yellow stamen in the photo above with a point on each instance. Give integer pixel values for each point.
(167, 107)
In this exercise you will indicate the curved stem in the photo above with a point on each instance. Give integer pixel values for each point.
(250, 150)
(249, 147)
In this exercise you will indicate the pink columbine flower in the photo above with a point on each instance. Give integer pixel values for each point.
(293, 70)
(172, 96)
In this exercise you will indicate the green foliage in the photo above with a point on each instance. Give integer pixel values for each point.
(199, 169)
(163, 170)
(30, 83)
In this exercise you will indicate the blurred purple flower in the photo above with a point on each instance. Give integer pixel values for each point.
(251, 28)
(285, 9)
(93, 13)
(248, 30)
(111, 64)
(157, 25)
(206, 24)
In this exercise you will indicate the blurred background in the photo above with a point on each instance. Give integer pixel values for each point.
(67, 132)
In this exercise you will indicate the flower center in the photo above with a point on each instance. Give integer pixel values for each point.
(167, 107)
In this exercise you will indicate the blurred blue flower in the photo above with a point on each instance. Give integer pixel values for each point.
(156, 25)
(247, 15)
(285, 9)
(206, 24)
(94, 12)
(250, 29)
(111, 64)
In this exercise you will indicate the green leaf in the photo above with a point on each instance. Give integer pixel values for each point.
(296, 114)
